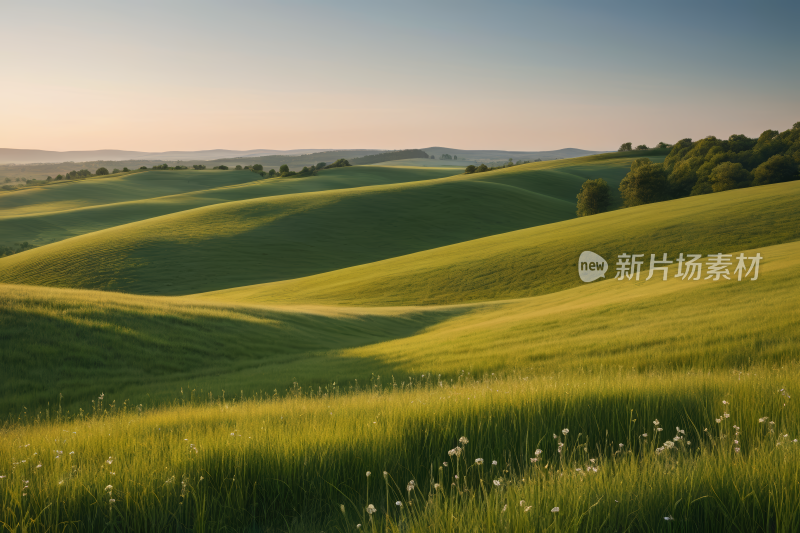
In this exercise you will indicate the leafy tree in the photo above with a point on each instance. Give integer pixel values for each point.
(238, 167)
(595, 197)
(223, 167)
(115, 171)
(49, 178)
(776, 169)
(272, 173)
(258, 167)
(142, 168)
(125, 169)
(470, 169)
(662, 145)
(642, 147)
(102, 171)
(482, 168)
(284, 169)
(727, 176)
(320, 166)
(59, 177)
(199, 167)
(625, 147)
(455, 158)
(644, 184)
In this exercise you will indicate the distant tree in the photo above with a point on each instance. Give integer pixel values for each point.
(199, 167)
(339, 163)
(272, 173)
(142, 168)
(59, 177)
(537, 160)
(595, 197)
(8, 180)
(642, 147)
(284, 169)
(258, 167)
(222, 167)
(662, 145)
(470, 169)
(115, 171)
(238, 167)
(446, 157)
(49, 178)
(727, 176)
(433, 157)
(644, 184)
(625, 147)
(776, 169)
(102, 171)
(482, 168)
(125, 169)
(455, 158)
(320, 166)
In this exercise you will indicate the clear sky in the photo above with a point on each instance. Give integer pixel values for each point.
(164, 75)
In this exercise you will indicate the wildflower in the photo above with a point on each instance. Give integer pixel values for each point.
(358, 526)
(555, 436)
(762, 420)
(494, 463)
(109, 488)
(565, 431)
(727, 415)
(644, 435)
(109, 460)
(111, 501)
(445, 464)
(659, 429)
(463, 440)
(528, 508)
(656, 422)
(60, 482)
(411, 485)
(737, 450)
(621, 445)
(555, 510)
(371, 509)
(521, 503)
(369, 473)
(386, 474)
(456, 476)
(534, 459)
(669, 444)
(505, 508)
(436, 486)
(399, 504)
(478, 461)
(537, 453)
(496, 482)
(668, 518)
(724, 402)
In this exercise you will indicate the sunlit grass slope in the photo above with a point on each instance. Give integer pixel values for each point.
(59, 211)
(146, 348)
(282, 237)
(543, 259)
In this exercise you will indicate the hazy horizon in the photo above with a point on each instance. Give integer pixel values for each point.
(515, 76)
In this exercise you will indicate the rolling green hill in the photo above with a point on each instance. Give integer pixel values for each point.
(270, 230)
(80, 343)
(58, 211)
(543, 259)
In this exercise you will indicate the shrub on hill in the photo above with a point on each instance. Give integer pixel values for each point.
(199, 167)
(470, 169)
(625, 147)
(595, 197)
(644, 184)
(17, 248)
(102, 171)
(338, 164)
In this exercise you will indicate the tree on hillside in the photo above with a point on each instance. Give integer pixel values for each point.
(776, 169)
(199, 167)
(272, 173)
(125, 169)
(102, 171)
(482, 168)
(320, 166)
(727, 176)
(470, 169)
(642, 147)
(238, 167)
(115, 171)
(625, 147)
(595, 197)
(258, 167)
(284, 169)
(142, 168)
(644, 184)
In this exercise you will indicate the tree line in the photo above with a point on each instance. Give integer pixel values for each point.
(472, 169)
(706, 166)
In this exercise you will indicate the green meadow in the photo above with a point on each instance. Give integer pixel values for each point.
(213, 351)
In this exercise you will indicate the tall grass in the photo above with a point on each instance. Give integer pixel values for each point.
(232, 464)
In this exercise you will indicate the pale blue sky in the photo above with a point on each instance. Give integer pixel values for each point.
(502, 75)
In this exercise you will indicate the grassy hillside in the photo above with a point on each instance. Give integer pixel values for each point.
(82, 342)
(282, 237)
(61, 210)
(543, 259)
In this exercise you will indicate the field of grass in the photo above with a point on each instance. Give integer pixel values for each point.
(276, 340)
